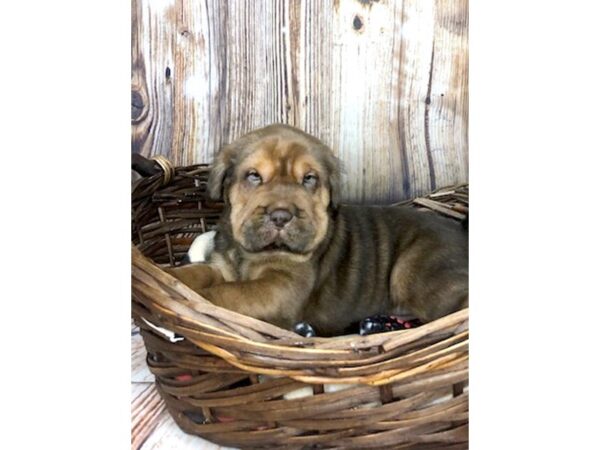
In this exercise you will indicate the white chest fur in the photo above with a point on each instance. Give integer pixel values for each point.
(202, 247)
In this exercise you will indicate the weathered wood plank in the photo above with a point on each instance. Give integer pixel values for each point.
(383, 82)
(449, 93)
(146, 407)
(152, 93)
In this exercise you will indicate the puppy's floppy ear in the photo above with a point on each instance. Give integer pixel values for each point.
(221, 171)
(334, 170)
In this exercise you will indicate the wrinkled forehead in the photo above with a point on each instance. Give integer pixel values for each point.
(274, 156)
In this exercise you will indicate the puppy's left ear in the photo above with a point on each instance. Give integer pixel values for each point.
(334, 170)
(221, 171)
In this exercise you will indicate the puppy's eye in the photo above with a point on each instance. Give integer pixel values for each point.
(253, 177)
(310, 180)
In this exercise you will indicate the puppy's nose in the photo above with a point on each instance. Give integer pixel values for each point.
(280, 217)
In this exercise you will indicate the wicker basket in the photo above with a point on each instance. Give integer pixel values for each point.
(241, 382)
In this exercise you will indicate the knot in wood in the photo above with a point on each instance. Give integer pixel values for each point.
(137, 105)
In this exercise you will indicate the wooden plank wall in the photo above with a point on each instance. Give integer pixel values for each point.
(383, 82)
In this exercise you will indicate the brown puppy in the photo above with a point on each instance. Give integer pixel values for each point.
(286, 252)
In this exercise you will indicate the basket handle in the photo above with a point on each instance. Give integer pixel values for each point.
(147, 167)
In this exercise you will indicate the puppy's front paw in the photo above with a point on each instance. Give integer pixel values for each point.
(196, 276)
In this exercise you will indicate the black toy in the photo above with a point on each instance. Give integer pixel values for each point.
(381, 323)
(304, 329)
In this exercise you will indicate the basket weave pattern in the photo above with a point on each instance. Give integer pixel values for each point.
(241, 382)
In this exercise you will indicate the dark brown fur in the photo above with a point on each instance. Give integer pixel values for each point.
(331, 265)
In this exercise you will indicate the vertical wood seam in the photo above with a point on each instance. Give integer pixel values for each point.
(427, 136)
(402, 134)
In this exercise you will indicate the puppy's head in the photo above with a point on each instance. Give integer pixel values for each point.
(279, 184)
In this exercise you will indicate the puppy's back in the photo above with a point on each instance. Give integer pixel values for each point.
(367, 245)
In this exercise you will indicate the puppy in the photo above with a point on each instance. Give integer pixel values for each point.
(286, 251)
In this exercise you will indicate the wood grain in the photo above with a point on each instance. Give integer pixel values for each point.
(146, 407)
(382, 82)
